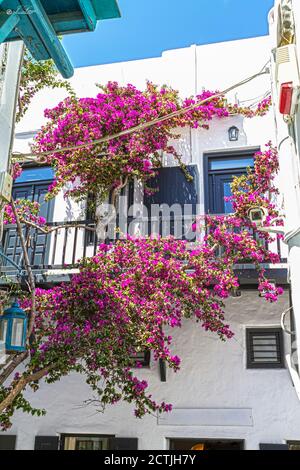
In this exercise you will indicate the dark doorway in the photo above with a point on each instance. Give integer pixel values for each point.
(206, 444)
(32, 185)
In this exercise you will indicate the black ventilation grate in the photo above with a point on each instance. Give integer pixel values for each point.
(264, 348)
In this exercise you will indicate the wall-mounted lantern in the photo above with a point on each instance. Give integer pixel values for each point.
(233, 133)
(13, 328)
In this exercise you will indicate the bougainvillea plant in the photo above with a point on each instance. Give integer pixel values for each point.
(28, 212)
(98, 169)
(36, 76)
(254, 189)
(130, 296)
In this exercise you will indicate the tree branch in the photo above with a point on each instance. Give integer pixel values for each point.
(12, 365)
(53, 229)
(21, 384)
(28, 269)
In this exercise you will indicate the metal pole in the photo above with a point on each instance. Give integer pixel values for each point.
(11, 57)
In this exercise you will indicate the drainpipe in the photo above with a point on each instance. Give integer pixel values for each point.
(11, 58)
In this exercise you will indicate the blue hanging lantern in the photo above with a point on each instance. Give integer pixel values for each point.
(13, 328)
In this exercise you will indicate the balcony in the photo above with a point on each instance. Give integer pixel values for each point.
(54, 256)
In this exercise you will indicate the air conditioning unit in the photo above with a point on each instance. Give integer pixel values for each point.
(6, 183)
(287, 78)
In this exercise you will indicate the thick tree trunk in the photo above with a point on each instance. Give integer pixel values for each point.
(21, 385)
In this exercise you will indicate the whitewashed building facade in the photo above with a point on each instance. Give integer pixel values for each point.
(226, 395)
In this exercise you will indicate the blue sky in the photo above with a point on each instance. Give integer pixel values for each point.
(148, 27)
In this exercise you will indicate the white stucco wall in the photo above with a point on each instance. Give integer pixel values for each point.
(213, 374)
(213, 66)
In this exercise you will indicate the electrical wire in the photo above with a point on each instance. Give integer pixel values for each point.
(143, 126)
(257, 98)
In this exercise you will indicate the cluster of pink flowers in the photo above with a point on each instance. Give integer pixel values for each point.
(121, 301)
(16, 170)
(132, 293)
(101, 167)
(269, 290)
(238, 238)
(256, 188)
(28, 212)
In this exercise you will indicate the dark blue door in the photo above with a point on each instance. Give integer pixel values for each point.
(29, 186)
(221, 171)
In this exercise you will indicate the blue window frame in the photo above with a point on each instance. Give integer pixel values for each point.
(28, 175)
(220, 169)
(33, 185)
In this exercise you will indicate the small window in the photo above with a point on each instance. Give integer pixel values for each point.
(142, 357)
(230, 163)
(264, 348)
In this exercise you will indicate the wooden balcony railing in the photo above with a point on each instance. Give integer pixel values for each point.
(64, 247)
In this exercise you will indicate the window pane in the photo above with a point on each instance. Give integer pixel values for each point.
(17, 332)
(89, 444)
(230, 163)
(294, 445)
(3, 330)
(70, 443)
(85, 443)
(227, 193)
(36, 174)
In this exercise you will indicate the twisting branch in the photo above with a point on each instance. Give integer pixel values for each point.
(54, 229)
(21, 385)
(28, 270)
(103, 222)
(14, 362)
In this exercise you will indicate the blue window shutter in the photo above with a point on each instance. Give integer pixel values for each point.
(173, 187)
(46, 443)
(273, 447)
